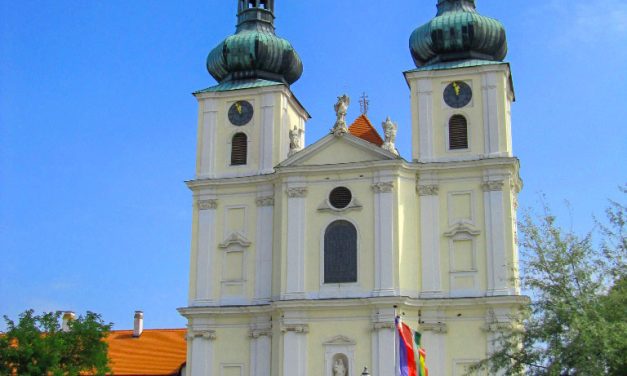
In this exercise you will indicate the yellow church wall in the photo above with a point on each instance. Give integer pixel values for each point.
(408, 235)
(232, 349)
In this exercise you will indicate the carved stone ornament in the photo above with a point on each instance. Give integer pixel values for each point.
(438, 327)
(383, 187)
(493, 185)
(296, 138)
(256, 333)
(389, 131)
(383, 325)
(497, 327)
(296, 328)
(341, 107)
(462, 228)
(297, 192)
(265, 201)
(235, 239)
(207, 204)
(205, 334)
(428, 190)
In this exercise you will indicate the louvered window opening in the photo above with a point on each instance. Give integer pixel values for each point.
(340, 253)
(458, 133)
(340, 197)
(239, 149)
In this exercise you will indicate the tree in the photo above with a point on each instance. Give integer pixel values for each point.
(37, 345)
(576, 323)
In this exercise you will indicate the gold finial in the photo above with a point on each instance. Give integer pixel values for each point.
(364, 102)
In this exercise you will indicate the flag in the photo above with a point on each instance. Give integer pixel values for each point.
(411, 357)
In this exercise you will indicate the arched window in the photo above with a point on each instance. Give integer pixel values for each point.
(340, 253)
(239, 149)
(458, 133)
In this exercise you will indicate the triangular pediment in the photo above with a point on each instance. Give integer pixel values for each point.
(332, 149)
(339, 340)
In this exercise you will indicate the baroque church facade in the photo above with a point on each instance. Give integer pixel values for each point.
(302, 256)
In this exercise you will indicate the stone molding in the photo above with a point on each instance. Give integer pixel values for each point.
(256, 333)
(297, 192)
(296, 328)
(205, 334)
(496, 327)
(461, 227)
(428, 190)
(207, 204)
(437, 328)
(493, 185)
(235, 238)
(383, 325)
(265, 201)
(383, 187)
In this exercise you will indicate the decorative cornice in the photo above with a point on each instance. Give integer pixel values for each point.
(428, 190)
(493, 185)
(235, 238)
(383, 187)
(339, 340)
(207, 204)
(265, 201)
(438, 328)
(256, 333)
(297, 192)
(383, 325)
(296, 328)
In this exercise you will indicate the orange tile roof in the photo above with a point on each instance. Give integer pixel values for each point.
(157, 352)
(362, 128)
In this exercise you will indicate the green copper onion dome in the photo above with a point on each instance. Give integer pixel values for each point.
(458, 32)
(255, 52)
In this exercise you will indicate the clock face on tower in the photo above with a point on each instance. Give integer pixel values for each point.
(240, 113)
(457, 94)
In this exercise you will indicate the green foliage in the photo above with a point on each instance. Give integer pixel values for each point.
(36, 346)
(576, 323)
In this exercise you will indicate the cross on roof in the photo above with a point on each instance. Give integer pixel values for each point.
(364, 102)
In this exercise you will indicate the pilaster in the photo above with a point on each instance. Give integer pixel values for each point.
(296, 191)
(424, 93)
(383, 341)
(495, 236)
(206, 241)
(263, 257)
(260, 347)
(429, 201)
(491, 126)
(202, 354)
(294, 331)
(266, 144)
(207, 138)
(384, 251)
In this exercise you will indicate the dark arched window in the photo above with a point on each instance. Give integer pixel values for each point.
(458, 133)
(239, 149)
(340, 253)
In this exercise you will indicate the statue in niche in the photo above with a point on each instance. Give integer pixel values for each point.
(389, 131)
(295, 140)
(340, 111)
(339, 368)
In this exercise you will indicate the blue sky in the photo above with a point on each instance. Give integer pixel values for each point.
(97, 126)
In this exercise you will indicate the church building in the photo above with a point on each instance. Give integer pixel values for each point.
(302, 256)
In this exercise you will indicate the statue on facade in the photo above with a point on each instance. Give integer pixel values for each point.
(340, 110)
(339, 368)
(295, 140)
(389, 132)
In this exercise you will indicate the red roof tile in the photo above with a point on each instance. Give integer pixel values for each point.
(157, 352)
(362, 128)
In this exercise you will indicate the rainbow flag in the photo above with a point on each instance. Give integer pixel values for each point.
(411, 357)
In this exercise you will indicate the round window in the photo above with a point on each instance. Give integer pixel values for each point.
(340, 197)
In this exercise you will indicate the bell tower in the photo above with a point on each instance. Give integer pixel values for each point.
(245, 120)
(461, 89)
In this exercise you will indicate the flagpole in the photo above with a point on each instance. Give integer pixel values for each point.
(396, 361)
